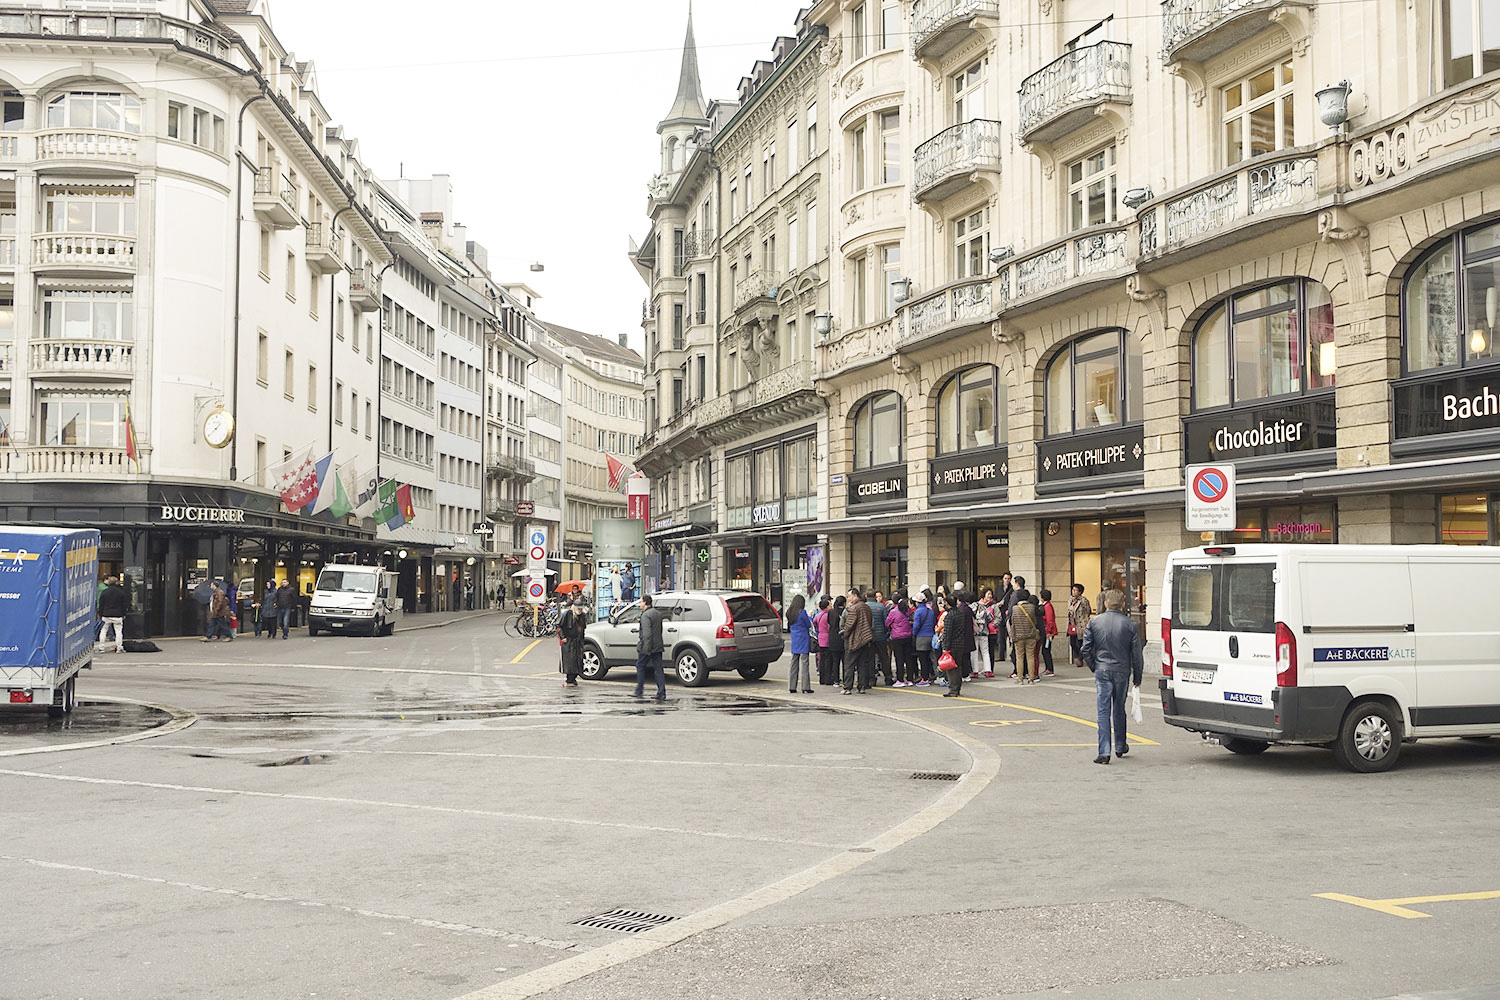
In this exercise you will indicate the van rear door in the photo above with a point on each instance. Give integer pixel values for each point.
(1224, 640)
(1457, 645)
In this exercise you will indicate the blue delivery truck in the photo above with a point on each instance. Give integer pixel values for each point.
(48, 579)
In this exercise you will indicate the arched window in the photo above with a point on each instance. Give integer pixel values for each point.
(1276, 340)
(1095, 382)
(970, 408)
(1448, 302)
(112, 112)
(879, 431)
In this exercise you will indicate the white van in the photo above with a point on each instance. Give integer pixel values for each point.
(1355, 647)
(350, 598)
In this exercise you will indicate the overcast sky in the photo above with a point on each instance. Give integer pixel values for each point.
(543, 113)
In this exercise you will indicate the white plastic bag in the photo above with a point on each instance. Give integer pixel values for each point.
(1135, 702)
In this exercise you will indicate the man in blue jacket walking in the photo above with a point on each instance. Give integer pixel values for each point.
(1112, 649)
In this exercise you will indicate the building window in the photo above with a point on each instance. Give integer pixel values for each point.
(968, 411)
(890, 24)
(1257, 113)
(768, 474)
(1272, 341)
(858, 290)
(971, 244)
(265, 254)
(312, 387)
(812, 232)
(792, 163)
(968, 92)
(800, 480)
(1091, 189)
(734, 201)
(176, 115)
(291, 275)
(1093, 382)
(1448, 302)
(263, 359)
(83, 421)
(289, 375)
(890, 147)
(812, 131)
(84, 315)
(12, 111)
(354, 412)
(857, 30)
(1286, 523)
(857, 159)
(1465, 23)
(338, 402)
(879, 432)
(89, 110)
(108, 211)
(890, 270)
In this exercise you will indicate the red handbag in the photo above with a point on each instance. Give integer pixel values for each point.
(946, 661)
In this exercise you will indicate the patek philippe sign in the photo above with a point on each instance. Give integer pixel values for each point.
(1284, 429)
(201, 515)
(951, 476)
(1448, 405)
(1109, 452)
(877, 486)
(766, 513)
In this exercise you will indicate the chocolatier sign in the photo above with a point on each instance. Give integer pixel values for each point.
(1097, 453)
(1251, 432)
(885, 486)
(949, 477)
(1447, 405)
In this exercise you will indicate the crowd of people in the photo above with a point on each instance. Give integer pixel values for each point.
(944, 638)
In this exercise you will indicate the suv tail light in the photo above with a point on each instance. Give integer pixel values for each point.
(1166, 647)
(726, 631)
(1286, 657)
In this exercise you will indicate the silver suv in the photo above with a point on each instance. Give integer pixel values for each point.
(705, 630)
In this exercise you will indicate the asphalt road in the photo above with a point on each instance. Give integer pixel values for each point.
(431, 815)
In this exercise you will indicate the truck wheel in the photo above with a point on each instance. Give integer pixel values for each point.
(593, 664)
(690, 668)
(1369, 739)
(754, 673)
(312, 629)
(1234, 744)
(64, 700)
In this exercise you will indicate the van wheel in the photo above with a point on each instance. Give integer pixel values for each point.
(593, 664)
(690, 668)
(1236, 745)
(754, 673)
(1370, 738)
(312, 630)
(378, 628)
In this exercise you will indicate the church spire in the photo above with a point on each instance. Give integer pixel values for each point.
(689, 104)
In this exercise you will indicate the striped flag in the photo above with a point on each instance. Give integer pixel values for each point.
(618, 472)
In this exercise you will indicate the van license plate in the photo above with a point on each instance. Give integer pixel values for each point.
(757, 630)
(1195, 676)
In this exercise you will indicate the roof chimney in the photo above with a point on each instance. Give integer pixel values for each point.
(623, 342)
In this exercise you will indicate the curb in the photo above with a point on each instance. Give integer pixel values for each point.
(302, 628)
(181, 719)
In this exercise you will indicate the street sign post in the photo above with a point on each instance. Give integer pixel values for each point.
(1210, 498)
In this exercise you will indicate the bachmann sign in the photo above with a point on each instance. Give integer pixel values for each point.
(877, 486)
(1448, 405)
(202, 515)
(951, 476)
(1285, 429)
(1098, 453)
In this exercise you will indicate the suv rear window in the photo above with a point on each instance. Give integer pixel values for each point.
(751, 609)
(1217, 597)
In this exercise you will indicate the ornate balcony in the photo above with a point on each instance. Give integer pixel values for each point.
(954, 158)
(1065, 93)
(1197, 30)
(1261, 192)
(10, 147)
(325, 249)
(364, 290)
(698, 244)
(71, 357)
(76, 462)
(509, 466)
(82, 251)
(938, 26)
(956, 309)
(87, 144)
(1064, 265)
(134, 25)
(275, 199)
(7, 358)
(8, 251)
(865, 345)
(754, 287)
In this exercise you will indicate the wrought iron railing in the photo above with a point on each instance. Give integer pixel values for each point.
(932, 16)
(1260, 186)
(756, 285)
(1183, 19)
(699, 243)
(955, 150)
(951, 307)
(323, 239)
(1098, 72)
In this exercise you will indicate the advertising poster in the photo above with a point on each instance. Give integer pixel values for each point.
(815, 570)
(619, 555)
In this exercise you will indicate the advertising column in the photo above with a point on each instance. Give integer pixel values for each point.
(619, 551)
(638, 500)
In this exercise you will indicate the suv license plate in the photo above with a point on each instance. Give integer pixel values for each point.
(757, 630)
(1195, 676)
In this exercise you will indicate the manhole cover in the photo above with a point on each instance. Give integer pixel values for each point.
(935, 776)
(832, 756)
(630, 921)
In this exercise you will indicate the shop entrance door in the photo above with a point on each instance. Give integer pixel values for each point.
(1113, 553)
(891, 574)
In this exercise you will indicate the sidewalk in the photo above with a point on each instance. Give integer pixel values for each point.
(409, 623)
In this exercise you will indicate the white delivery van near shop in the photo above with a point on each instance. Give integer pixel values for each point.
(350, 598)
(1355, 647)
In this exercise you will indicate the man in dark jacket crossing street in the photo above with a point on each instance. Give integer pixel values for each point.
(648, 650)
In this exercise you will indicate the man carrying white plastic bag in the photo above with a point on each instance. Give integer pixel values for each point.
(1112, 648)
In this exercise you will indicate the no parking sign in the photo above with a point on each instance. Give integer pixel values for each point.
(536, 591)
(1210, 498)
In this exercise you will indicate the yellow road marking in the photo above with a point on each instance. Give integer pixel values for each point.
(1399, 907)
(522, 654)
(995, 723)
(1130, 737)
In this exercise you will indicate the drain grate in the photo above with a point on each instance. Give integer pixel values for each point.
(629, 921)
(935, 776)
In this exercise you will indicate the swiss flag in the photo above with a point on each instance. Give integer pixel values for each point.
(297, 481)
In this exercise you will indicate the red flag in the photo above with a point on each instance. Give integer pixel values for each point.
(403, 500)
(297, 481)
(132, 447)
(617, 471)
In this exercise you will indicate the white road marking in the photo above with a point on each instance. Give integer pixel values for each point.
(450, 810)
(528, 756)
(181, 719)
(441, 925)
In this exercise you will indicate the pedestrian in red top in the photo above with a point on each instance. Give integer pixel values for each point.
(1049, 629)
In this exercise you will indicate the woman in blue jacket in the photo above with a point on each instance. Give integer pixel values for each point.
(922, 622)
(799, 623)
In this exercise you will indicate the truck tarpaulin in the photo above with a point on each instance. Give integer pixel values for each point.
(48, 579)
